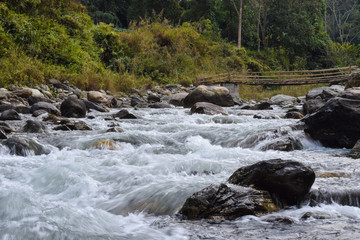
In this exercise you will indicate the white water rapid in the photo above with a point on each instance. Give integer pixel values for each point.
(134, 191)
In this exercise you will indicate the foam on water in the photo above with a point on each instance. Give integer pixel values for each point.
(133, 192)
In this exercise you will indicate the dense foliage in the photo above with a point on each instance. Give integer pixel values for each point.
(126, 43)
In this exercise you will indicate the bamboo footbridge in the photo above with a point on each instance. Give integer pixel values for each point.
(332, 75)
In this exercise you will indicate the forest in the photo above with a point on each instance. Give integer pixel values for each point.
(121, 44)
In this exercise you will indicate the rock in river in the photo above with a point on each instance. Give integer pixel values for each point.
(227, 202)
(287, 181)
(24, 146)
(73, 107)
(212, 94)
(337, 123)
(207, 108)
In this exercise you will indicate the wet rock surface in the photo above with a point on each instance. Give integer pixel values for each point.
(227, 202)
(287, 181)
(24, 146)
(207, 108)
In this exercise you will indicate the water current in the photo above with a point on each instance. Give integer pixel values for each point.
(134, 191)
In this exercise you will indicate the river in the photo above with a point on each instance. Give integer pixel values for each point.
(134, 191)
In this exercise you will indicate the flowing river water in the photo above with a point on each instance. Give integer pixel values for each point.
(134, 191)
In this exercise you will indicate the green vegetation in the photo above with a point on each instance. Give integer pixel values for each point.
(147, 42)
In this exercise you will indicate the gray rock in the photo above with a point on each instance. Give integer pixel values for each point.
(124, 114)
(285, 144)
(50, 108)
(212, 94)
(10, 114)
(2, 134)
(160, 105)
(24, 146)
(207, 108)
(178, 99)
(32, 126)
(283, 100)
(90, 105)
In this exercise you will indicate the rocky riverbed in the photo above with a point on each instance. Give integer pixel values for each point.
(93, 165)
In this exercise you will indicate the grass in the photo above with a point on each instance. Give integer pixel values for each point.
(251, 92)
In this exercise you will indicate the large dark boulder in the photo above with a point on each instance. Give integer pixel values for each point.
(336, 124)
(24, 146)
(50, 108)
(287, 181)
(227, 202)
(207, 108)
(212, 94)
(10, 114)
(73, 107)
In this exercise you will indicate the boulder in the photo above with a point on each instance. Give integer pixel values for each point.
(260, 106)
(212, 94)
(153, 98)
(294, 114)
(50, 108)
(227, 202)
(72, 126)
(24, 146)
(98, 97)
(39, 112)
(124, 114)
(160, 105)
(207, 108)
(138, 102)
(287, 181)
(178, 99)
(27, 92)
(73, 107)
(10, 114)
(317, 97)
(336, 124)
(4, 93)
(354, 80)
(90, 105)
(283, 100)
(32, 100)
(285, 144)
(4, 107)
(32, 126)
(6, 128)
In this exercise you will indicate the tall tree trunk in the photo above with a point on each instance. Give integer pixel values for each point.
(263, 26)
(240, 23)
(258, 25)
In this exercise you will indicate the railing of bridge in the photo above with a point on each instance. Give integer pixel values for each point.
(332, 75)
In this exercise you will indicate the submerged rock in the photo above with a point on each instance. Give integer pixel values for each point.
(207, 108)
(286, 144)
(24, 146)
(160, 105)
(212, 94)
(286, 181)
(106, 144)
(227, 202)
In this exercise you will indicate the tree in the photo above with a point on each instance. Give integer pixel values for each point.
(342, 20)
(239, 11)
